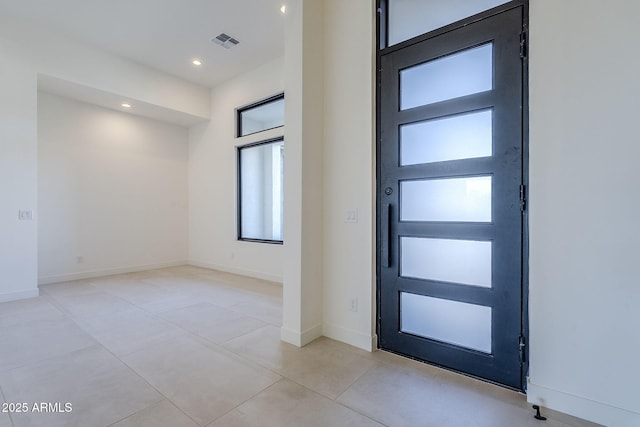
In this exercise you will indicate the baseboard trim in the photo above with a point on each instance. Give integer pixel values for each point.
(234, 270)
(15, 296)
(300, 339)
(45, 280)
(349, 336)
(581, 407)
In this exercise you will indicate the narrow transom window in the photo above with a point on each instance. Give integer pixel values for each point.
(260, 116)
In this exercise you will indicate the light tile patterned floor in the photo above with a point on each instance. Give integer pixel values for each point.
(186, 346)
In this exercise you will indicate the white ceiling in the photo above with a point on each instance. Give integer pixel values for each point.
(167, 34)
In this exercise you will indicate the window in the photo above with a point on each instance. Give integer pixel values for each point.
(410, 18)
(263, 115)
(261, 191)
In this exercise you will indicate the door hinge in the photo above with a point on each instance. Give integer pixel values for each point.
(523, 44)
(523, 198)
(522, 347)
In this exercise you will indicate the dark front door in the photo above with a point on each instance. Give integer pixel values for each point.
(450, 208)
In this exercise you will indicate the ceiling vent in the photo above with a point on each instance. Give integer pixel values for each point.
(225, 41)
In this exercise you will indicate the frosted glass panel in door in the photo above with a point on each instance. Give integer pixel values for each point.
(464, 136)
(451, 199)
(453, 322)
(458, 261)
(464, 73)
(410, 18)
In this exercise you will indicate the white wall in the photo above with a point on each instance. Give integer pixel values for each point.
(303, 213)
(349, 172)
(72, 61)
(584, 293)
(584, 209)
(25, 52)
(212, 179)
(112, 188)
(584, 289)
(18, 180)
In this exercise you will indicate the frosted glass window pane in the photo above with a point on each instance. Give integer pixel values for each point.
(465, 136)
(458, 261)
(452, 199)
(453, 322)
(262, 191)
(452, 76)
(411, 18)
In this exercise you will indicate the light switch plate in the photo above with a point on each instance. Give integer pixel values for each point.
(25, 215)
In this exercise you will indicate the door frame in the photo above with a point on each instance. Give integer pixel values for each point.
(381, 50)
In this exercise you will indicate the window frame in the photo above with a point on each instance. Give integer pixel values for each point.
(239, 148)
(251, 106)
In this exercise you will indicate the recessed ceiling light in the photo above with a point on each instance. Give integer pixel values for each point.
(196, 62)
(125, 105)
(283, 9)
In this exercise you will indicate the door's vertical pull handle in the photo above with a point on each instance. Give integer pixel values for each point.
(385, 250)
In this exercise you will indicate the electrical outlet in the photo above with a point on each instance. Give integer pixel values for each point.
(353, 304)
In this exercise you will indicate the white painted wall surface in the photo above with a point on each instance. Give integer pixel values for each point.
(584, 209)
(70, 60)
(349, 172)
(584, 286)
(584, 292)
(112, 189)
(212, 179)
(26, 52)
(18, 180)
(304, 201)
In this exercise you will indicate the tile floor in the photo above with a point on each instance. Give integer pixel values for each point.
(186, 346)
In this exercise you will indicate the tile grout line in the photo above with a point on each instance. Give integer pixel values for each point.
(156, 317)
(245, 401)
(376, 364)
(285, 377)
(144, 379)
(48, 358)
(152, 406)
(193, 335)
(209, 344)
(213, 346)
(328, 398)
(98, 343)
(335, 400)
(56, 304)
(247, 358)
(190, 335)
